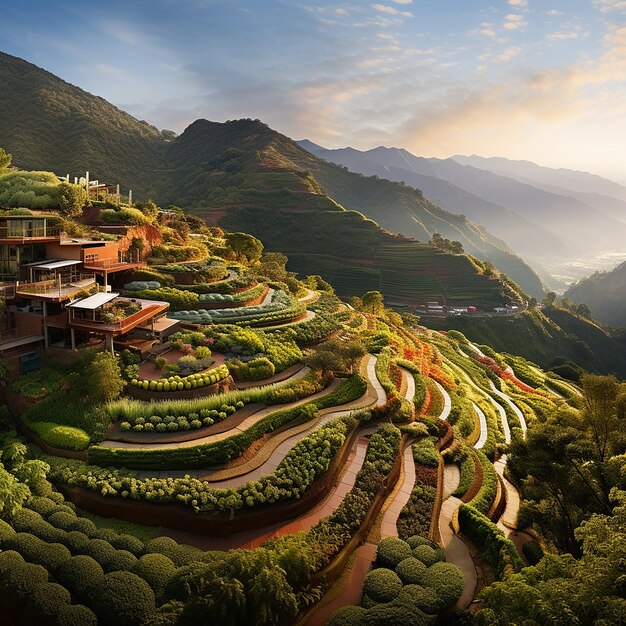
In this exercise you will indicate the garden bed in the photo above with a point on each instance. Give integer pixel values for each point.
(148, 395)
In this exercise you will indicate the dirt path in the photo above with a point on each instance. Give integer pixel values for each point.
(514, 407)
(482, 439)
(456, 551)
(447, 402)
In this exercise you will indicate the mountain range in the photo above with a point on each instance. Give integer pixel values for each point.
(548, 216)
(244, 175)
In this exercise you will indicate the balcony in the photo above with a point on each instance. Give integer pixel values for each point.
(110, 265)
(14, 337)
(22, 233)
(57, 289)
(100, 322)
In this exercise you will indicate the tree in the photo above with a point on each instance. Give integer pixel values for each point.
(148, 208)
(583, 310)
(5, 159)
(550, 299)
(247, 248)
(72, 199)
(373, 302)
(335, 355)
(272, 266)
(102, 378)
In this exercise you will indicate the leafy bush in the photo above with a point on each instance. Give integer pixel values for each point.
(391, 551)
(46, 603)
(446, 580)
(427, 555)
(156, 570)
(81, 575)
(382, 585)
(533, 552)
(123, 599)
(76, 615)
(411, 570)
(425, 453)
(178, 383)
(348, 616)
(63, 437)
(494, 546)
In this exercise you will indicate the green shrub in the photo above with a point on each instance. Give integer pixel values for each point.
(425, 453)
(382, 585)
(533, 552)
(156, 570)
(77, 542)
(499, 551)
(179, 554)
(427, 555)
(396, 615)
(123, 541)
(418, 597)
(45, 603)
(28, 521)
(57, 436)
(76, 615)
(34, 550)
(9, 559)
(19, 582)
(391, 551)
(446, 580)
(347, 616)
(80, 574)
(418, 540)
(6, 532)
(123, 599)
(411, 570)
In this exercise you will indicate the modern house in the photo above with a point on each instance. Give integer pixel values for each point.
(51, 285)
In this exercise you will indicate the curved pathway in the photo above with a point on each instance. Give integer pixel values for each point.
(512, 405)
(256, 537)
(311, 296)
(447, 402)
(400, 495)
(381, 396)
(455, 549)
(410, 384)
(259, 465)
(503, 416)
(482, 439)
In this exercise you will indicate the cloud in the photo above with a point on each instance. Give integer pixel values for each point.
(554, 12)
(385, 8)
(403, 1)
(606, 6)
(563, 35)
(488, 32)
(508, 54)
(514, 21)
(518, 3)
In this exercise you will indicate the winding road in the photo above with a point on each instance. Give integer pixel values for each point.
(447, 402)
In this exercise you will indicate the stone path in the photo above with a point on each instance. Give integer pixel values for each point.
(514, 407)
(400, 495)
(447, 402)
(381, 396)
(311, 296)
(256, 537)
(482, 440)
(503, 417)
(410, 384)
(456, 551)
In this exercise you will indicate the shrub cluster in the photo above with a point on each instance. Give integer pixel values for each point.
(412, 585)
(178, 383)
(58, 436)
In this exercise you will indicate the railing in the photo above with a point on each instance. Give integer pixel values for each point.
(62, 285)
(11, 232)
(7, 291)
(12, 334)
(122, 326)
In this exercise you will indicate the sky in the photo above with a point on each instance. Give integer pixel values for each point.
(543, 80)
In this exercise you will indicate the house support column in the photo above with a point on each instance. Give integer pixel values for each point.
(45, 325)
(108, 343)
(73, 338)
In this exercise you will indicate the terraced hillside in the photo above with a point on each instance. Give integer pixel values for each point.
(276, 460)
(241, 175)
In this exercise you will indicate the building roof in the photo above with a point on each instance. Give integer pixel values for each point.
(33, 263)
(164, 323)
(55, 265)
(93, 302)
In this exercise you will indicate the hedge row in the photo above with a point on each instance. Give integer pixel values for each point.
(499, 551)
(58, 436)
(177, 383)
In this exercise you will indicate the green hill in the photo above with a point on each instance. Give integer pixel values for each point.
(549, 337)
(245, 176)
(604, 293)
